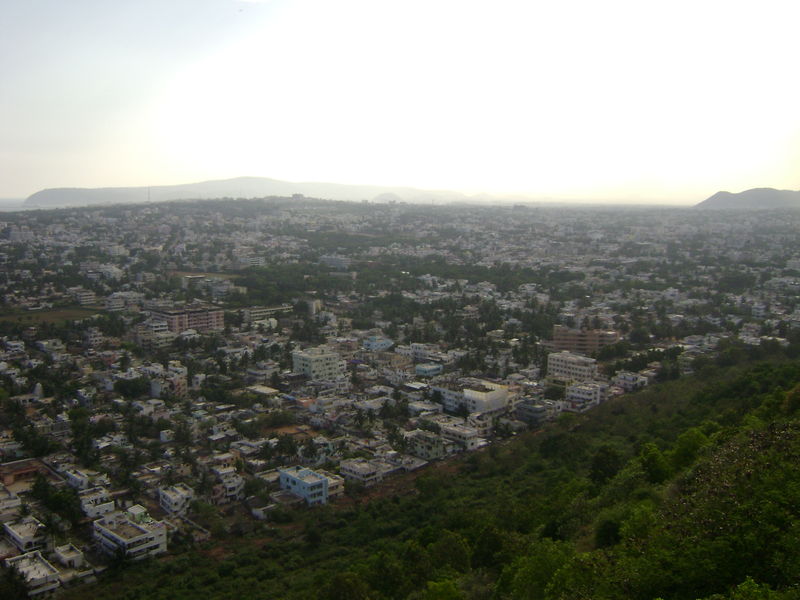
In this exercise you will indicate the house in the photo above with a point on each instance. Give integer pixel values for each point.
(85, 479)
(308, 484)
(463, 435)
(229, 486)
(9, 502)
(361, 471)
(27, 534)
(39, 575)
(176, 499)
(95, 502)
(579, 397)
(428, 445)
(117, 534)
(629, 381)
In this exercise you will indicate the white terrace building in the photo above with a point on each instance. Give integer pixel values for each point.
(117, 534)
(39, 575)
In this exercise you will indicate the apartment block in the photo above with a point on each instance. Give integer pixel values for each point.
(566, 366)
(200, 318)
(582, 341)
(318, 364)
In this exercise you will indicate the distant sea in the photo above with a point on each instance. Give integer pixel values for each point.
(11, 204)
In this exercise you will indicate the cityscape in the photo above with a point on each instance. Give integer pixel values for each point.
(177, 373)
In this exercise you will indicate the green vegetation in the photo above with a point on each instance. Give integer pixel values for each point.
(56, 315)
(687, 490)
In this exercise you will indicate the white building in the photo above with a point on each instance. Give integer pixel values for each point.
(176, 499)
(309, 485)
(117, 534)
(566, 366)
(318, 364)
(39, 575)
(473, 395)
(96, 502)
(9, 501)
(85, 479)
(229, 486)
(465, 436)
(361, 471)
(335, 484)
(27, 534)
(629, 381)
(582, 396)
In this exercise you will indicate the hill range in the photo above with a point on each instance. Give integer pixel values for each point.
(755, 199)
(240, 187)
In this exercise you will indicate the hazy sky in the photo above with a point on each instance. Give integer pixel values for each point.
(625, 99)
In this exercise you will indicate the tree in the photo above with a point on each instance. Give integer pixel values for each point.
(442, 590)
(529, 575)
(655, 464)
(605, 464)
(346, 586)
(132, 388)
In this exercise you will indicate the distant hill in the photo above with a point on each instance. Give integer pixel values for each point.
(240, 187)
(755, 199)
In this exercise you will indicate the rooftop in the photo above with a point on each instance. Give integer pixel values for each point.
(32, 566)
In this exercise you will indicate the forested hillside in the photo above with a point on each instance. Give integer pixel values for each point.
(688, 490)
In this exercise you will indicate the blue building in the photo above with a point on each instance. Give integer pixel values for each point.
(303, 482)
(377, 343)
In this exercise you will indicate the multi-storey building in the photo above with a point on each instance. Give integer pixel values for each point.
(361, 471)
(629, 381)
(309, 485)
(117, 534)
(176, 499)
(582, 341)
(428, 445)
(318, 364)
(582, 396)
(259, 313)
(566, 366)
(465, 436)
(229, 486)
(96, 502)
(9, 501)
(473, 395)
(335, 484)
(200, 318)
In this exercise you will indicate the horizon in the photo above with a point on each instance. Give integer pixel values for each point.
(480, 199)
(568, 102)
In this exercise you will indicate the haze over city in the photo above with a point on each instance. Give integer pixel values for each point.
(619, 101)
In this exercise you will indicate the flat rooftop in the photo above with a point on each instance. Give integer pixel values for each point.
(32, 566)
(26, 528)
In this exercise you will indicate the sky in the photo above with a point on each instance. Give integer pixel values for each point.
(622, 100)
